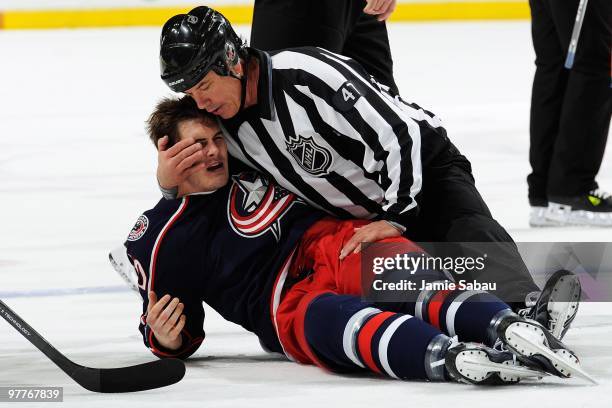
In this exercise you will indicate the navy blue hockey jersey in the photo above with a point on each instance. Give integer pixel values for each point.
(225, 248)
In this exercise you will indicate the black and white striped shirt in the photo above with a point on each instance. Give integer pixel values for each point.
(326, 130)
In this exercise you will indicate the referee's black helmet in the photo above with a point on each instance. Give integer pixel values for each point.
(192, 44)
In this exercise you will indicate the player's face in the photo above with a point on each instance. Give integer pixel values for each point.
(219, 95)
(215, 174)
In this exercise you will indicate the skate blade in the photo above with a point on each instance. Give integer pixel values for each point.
(476, 365)
(563, 214)
(530, 340)
(537, 219)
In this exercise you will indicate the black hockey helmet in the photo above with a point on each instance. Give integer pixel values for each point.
(192, 44)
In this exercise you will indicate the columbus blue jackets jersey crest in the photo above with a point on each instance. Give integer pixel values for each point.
(225, 248)
(256, 207)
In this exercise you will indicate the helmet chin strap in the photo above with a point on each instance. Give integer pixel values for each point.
(243, 82)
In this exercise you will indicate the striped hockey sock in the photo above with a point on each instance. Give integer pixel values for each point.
(470, 315)
(347, 334)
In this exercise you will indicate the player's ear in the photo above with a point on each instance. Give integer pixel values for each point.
(162, 143)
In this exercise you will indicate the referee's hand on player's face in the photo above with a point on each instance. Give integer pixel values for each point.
(166, 319)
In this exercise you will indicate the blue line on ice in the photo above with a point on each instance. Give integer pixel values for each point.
(63, 291)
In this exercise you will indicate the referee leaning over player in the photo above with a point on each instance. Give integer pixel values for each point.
(320, 126)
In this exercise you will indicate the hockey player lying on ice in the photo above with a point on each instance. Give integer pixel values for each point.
(264, 259)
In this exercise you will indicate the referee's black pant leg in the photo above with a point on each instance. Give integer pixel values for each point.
(339, 26)
(503, 263)
(279, 24)
(547, 95)
(587, 105)
(453, 211)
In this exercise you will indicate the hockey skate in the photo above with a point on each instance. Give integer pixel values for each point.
(591, 209)
(557, 305)
(476, 363)
(536, 347)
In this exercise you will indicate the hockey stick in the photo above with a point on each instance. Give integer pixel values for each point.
(571, 52)
(140, 377)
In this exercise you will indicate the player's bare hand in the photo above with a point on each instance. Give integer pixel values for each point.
(381, 8)
(372, 232)
(176, 164)
(165, 318)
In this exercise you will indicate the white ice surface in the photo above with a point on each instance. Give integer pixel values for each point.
(76, 170)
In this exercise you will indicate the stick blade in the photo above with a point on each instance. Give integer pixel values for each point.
(147, 376)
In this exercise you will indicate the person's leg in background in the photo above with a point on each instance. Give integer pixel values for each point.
(584, 120)
(547, 95)
(339, 26)
(279, 24)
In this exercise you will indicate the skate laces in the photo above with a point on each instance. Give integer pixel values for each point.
(523, 312)
(454, 342)
(501, 347)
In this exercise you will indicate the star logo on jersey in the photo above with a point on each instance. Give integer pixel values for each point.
(257, 206)
(312, 157)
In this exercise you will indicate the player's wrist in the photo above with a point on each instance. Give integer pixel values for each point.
(165, 180)
(169, 193)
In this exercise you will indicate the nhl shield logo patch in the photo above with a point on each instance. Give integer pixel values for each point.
(139, 228)
(313, 158)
